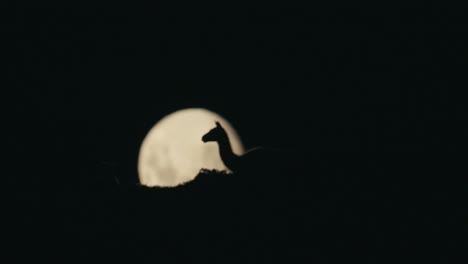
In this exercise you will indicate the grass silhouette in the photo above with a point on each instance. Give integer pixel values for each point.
(332, 211)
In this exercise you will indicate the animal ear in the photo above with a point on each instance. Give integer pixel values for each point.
(218, 124)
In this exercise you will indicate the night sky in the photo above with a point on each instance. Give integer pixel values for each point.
(365, 87)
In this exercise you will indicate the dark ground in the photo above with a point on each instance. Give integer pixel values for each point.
(370, 93)
(338, 210)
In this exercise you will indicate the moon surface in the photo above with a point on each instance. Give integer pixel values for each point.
(173, 153)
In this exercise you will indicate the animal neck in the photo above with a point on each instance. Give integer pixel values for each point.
(229, 158)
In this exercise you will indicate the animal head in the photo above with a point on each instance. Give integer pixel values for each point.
(214, 134)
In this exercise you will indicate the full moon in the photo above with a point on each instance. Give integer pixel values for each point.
(173, 153)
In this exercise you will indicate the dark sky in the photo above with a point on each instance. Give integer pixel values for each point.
(124, 67)
(93, 79)
(368, 86)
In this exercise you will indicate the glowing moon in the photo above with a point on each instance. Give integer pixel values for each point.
(173, 152)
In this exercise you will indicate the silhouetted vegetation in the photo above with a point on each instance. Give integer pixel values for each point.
(333, 208)
(217, 217)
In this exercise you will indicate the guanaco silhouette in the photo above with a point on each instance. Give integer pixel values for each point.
(257, 159)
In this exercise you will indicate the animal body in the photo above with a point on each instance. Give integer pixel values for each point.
(254, 160)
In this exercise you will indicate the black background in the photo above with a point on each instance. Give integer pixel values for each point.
(367, 87)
